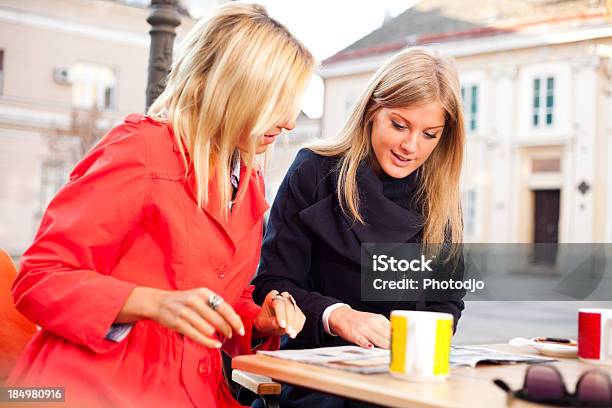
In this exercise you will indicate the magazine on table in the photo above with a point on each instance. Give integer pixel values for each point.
(360, 360)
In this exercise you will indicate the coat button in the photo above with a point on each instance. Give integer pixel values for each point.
(221, 271)
(204, 366)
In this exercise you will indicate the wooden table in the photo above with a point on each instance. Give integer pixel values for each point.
(465, 387)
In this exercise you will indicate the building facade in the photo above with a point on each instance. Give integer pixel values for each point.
(537, 91)
(280, 156)
(58, 58)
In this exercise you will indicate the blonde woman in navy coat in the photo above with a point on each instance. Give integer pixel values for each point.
(391, 176)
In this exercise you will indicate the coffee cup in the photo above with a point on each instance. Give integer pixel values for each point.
(595, 335)
(420, 345)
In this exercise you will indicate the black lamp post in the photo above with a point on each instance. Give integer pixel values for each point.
(164, 18)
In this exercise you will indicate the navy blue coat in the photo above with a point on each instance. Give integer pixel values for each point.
(312, 249)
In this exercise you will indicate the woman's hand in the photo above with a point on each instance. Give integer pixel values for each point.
(279, 315)
(361, 328)
(186, 312)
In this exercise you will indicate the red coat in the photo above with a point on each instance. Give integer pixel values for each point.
(128, 218)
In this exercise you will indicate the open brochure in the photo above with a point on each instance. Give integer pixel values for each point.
(472, 355)
(360, 360)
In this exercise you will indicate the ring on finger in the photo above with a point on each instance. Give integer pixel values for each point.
(214, 301)
(280, 297)
(293, 302)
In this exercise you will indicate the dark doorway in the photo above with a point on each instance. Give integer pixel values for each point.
(546, 225)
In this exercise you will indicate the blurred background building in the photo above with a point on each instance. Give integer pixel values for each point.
(69, 70)
(536, 84)
(537, 90)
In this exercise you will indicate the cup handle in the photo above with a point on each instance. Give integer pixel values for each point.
(607, 340)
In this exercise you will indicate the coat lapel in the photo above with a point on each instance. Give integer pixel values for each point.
(250, 208)
(213, 206)
(385, 221)
(246, 212)
(326, 220)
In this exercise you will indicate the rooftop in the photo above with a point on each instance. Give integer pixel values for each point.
(434, 21)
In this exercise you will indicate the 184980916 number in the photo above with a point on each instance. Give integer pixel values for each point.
(31, 394)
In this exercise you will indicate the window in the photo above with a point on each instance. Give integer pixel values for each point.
(1, 72)
(469, 212)
(349, 103)
(469, 96)
(543, 101)
(93, 85)
(54, 176)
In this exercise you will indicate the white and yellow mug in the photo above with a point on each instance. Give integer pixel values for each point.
(420, 345)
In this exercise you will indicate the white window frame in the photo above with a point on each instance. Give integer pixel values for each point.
(470, 118)
(468, 80)
(98, 85)
(2, 69)
(469, 199)
(54, 175)
(349, 104)
(561, 72)
(542, 112)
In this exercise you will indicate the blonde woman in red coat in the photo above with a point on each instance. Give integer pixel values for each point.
(139, 273)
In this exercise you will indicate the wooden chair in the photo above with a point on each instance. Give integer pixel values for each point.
(247, 387)
(264, 387)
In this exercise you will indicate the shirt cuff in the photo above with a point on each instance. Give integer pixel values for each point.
(326, 314)
(118, 331)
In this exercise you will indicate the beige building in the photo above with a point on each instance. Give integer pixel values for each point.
(537, 89)
(55, 57)
(279, 158)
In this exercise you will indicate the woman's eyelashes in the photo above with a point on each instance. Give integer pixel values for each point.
(399, 126)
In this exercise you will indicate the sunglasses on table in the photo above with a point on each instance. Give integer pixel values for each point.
(544, 384)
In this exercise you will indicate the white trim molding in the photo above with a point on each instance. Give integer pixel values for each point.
(481, 45)
(12, 16)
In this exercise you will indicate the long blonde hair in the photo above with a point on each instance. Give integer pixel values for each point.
(413, 76)
(240, 73)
